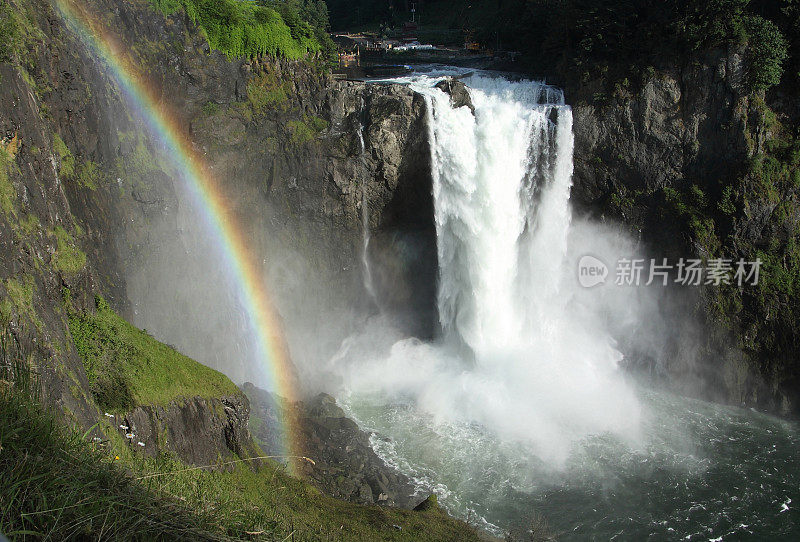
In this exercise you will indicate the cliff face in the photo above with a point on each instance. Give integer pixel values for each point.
(672, 161)
(92, 205)
(283, 141)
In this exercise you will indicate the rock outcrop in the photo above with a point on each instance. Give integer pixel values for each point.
(199, 431)
(459, 95)
(92, 206)
(345, 465)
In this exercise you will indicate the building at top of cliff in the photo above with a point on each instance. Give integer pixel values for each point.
(410, 32)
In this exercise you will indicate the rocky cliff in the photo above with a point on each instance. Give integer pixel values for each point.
(198, 431)
(677, 160)
(91, 205)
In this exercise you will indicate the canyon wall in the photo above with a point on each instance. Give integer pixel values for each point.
(677, 161)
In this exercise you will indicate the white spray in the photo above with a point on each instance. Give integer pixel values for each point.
(538, 369)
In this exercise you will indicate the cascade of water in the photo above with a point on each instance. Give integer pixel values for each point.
(501, 184)
(365, 261)
(541, 372)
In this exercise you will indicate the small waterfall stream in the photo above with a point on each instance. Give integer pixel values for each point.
(366, 267)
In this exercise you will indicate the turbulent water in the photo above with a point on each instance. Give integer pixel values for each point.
(520, 412)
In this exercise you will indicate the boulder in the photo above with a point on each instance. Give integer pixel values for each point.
(459, 94)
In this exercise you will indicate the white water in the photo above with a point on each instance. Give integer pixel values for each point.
(517, 355)
(520, 407)
(366, 268)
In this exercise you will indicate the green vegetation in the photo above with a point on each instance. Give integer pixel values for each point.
(19, 298)
(268, 90)
(278, 505)
(241, 28)
(62, 485)
(306, 129)
(8, 193)
(88, 175)
(18, 33)
(140, 168)
(11, 35)
(68, 258)
(582, 40)
(210, 108)
(66, 161)
(767, 50)
(58, 487)
(126, 367)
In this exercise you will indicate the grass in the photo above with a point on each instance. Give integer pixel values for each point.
(126, 367)
(59, 485)
(19, 299)
(68, 258)
(8, 193)
(268, 90)
(66, 161)
(88, 175)
(29, 225)
(281, 507)
(306, 129)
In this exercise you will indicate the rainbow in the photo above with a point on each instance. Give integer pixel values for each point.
(209, 198)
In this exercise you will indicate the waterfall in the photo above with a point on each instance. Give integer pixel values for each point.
(365, 263)
(523, 353)
(521, 405)
(501, 183)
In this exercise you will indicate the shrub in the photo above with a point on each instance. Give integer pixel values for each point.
(88, 175)
(66, 161)
(767, 50)
(7, 191)
(19, 294)
(10, 33)
(267, 90)
(305, 130)
(240, 28)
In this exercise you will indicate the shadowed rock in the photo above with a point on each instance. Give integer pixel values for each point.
(345, 465)
(459, 95)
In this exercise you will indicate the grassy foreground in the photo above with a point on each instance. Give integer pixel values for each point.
(59, 484)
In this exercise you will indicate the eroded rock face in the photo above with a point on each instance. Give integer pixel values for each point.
(691, 127)
(678, 127)
(199, 431)
(345, 466)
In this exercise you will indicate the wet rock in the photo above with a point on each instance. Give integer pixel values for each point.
(459, 94)
(694, 126)
(345, 465)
